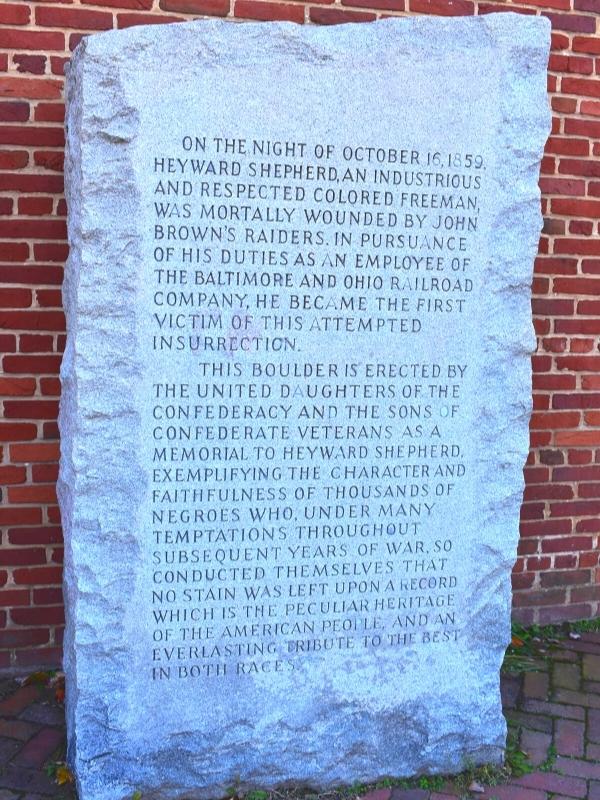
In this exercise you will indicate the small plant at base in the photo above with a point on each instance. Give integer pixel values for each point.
(550, 760)
(257, 794)
(432, 782)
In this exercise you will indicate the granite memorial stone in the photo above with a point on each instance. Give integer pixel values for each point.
(296, 394)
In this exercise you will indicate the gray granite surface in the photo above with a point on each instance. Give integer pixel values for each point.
(292, 448)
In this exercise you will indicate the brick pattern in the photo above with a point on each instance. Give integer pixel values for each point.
(553, 715)
(556, 576)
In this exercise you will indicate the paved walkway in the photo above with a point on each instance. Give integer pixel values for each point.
(554, 716)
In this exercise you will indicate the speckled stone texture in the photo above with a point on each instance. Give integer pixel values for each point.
(450, 86)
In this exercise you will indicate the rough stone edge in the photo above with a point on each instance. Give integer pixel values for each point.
(509, 349)
(98, 487)
(422, 24)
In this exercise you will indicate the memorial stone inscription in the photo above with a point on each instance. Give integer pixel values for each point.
(296, 397)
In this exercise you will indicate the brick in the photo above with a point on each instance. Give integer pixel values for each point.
(535, 685)
(139, 5)
(34, 65)
(47, 596)
(572, 22)
(25, 364)
(14, 597)
(38, 749)
(15, 298)
(50, 387)
(39, 320)
(218, 8)
(30, 409)
(33, 229)
(8, 343)
(551, 782)
(536, 745)
(38, 452)
(30, 183)
(36, 576)
(31, 40)
(591, 667)
(49, 159)
(48, 615)
(35, 206)
(32, 88)
(30, 274)
(40, 658)
(579, 698)
(24, 637)
(442, 7)
(569, 737)
(552, 307)
(13, 432)
(49, 534)
(83, 19)
(16, 729)
(12, 475)
(13, 159)
(249, 9)
(129, 20)
(333, 16)
(14, 112)
(18, 701)
(49, 112)
(33, 343)
(554, 420)
(21, 556)
(568, 146)
(578, 768)
(14, 14)
(583, 127)
(576, 206)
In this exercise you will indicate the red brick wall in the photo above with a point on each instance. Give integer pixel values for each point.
(557, 574)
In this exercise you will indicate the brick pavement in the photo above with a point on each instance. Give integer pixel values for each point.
(554, 716)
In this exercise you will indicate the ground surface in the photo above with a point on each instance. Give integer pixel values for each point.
(554, 714)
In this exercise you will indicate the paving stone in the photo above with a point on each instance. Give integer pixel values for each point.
(510, 686)
(535, 685)
(566, 676)
(550, 782)
(510, 792)
(591, 667)
(592, 751)
(15, 703)
(6, 795)
(578, 768)
(591, 636)
(39, 748)
(591, 686)
(17, 729)
(554, 709)
(569, 737)
(43, 713)
(410, 794)
(577, 698)
(442, 796)
(564, 655)
(8, 747)
(594, 793)
(582, 647)
(534, 721)
(378, 794)
(536, 745)
(17, 777)
(593, 726)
